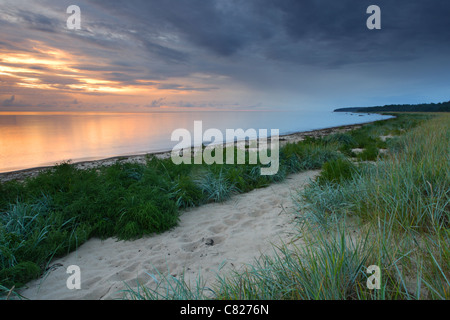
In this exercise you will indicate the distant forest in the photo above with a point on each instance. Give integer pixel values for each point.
(424, 107)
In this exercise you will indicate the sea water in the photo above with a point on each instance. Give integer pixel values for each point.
(37, 139)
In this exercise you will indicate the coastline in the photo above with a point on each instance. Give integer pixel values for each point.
(210, 241)
(218, 241)
(141, 158)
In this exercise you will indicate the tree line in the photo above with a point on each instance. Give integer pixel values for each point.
(423, 107)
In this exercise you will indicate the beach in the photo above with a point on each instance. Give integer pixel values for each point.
(210, 240)
(216, 241)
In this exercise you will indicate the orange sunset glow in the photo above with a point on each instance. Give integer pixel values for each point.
(175, 56)
(48, 69)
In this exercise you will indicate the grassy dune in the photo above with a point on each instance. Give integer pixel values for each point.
(402, 207)
(392, 213)
(401, 204)
(53, 213)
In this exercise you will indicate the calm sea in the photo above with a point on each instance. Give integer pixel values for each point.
(39, 139)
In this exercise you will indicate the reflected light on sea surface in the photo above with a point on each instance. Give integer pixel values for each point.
(41, 139)
(38, 140)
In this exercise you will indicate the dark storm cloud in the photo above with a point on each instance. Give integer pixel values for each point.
(190, 35)
(290, 47)
(307, 31)
(199, 22)
(323, 32)
(337, 29)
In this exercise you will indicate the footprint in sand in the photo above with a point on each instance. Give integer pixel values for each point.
(217, 228)
(191, 247)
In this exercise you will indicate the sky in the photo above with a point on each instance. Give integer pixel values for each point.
(190, 55)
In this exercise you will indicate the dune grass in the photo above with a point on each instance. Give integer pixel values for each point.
(401, 205)
(410, 185)
(403, 198)
(393, 213)
(53, 213)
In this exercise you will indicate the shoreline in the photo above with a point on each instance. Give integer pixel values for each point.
(210, 240)
(141, 158)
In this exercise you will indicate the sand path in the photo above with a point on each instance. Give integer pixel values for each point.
(214, 238)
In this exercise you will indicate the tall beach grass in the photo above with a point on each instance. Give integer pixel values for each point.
(392, 213)
(50, 215)
(400, 204)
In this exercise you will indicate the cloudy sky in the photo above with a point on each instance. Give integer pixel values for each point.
(158, 55)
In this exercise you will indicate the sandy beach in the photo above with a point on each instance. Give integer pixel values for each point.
(212, 239)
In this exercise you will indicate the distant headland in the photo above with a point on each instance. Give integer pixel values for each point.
(424, 107)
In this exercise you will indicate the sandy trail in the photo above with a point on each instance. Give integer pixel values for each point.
(211, 239)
